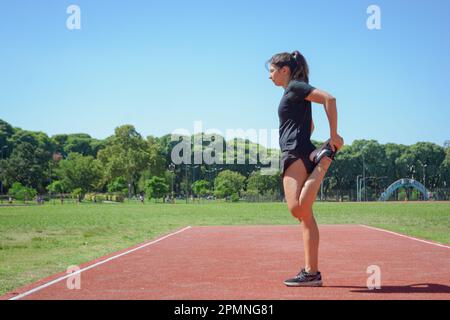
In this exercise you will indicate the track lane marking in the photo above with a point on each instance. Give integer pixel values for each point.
(405, 236)
(48, 284)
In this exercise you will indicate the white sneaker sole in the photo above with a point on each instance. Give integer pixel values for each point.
(304, 284)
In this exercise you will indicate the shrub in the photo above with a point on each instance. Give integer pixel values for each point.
(20, 192)
(234, 197)
(100, 197)
(77, 193)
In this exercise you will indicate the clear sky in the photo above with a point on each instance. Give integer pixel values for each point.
(161, 65)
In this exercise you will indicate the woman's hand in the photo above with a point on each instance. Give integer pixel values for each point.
(336, 142)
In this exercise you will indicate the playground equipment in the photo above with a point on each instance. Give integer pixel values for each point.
(405, 183)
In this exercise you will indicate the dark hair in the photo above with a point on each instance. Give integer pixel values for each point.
(296, 63)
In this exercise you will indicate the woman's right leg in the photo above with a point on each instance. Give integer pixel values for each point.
(293, 182)
(301, 191)
(309, 225)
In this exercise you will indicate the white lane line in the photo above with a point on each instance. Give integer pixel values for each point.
(404, 236)
(20, 296)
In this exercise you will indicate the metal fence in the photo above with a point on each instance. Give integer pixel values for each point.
(441, 194)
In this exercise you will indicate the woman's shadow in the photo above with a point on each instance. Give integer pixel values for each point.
(412, 288)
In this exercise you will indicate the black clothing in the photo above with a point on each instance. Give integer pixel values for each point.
(289, 157)
(295, 117)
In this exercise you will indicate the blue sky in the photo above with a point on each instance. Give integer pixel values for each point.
(161, 65)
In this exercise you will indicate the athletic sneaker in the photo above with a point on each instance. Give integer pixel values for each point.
(304, 279)
(324, 151)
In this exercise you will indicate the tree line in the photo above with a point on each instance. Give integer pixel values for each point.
(128, 164)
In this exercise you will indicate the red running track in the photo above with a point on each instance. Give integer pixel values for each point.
(251, 263)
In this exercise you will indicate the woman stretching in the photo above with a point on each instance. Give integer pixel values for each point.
(302, 166)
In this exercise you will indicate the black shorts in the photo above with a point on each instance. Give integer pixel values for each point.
(289, 157)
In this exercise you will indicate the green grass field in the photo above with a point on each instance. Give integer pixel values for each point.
(37, 241)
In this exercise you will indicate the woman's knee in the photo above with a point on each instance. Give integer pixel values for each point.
(299, 210)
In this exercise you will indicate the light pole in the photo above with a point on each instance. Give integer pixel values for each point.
(56, 157)
(412, 170)
(364, 171)
(193, 172)
(186, 182)
(321, 188)
(358, 189)
(211, 172)
(257, 181)
(172, 169)
(424, 167)
(425, 175)
(360, 186)
(1, 182)
(364, 178)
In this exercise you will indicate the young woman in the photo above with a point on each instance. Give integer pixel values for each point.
(303, 167)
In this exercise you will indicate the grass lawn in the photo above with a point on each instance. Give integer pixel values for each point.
(37, 241)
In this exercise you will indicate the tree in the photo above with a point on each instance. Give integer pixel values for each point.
(343, 171)
(262, 184)
(444, 176)
(363, 157)
(156, 188)
(28, 165)
(227, 183)
(125, 155)
(28, 159)
(393, 170)
(80, 172)
(56, 187)
(201, 188)
(156, 161)
(6, 132)
(77, 193)
(119, 184)
(428, 158)
(79, 143)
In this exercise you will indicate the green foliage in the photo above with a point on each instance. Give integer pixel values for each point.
(80, 172)
(6, 132)
(56, 187)
(156, 188)
(201, 188)
(126, 155)
(77, 193)
(156, 157)
(126, 158)
(119, 185)
(234, 197)
(251, 193)
(401, 194)
(258, 183)
(28, 161)
(228, 183)
(20, 192)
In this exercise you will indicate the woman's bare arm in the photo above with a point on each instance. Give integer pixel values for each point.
(329, 102)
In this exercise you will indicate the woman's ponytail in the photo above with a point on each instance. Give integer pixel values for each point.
(301, 70)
